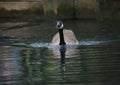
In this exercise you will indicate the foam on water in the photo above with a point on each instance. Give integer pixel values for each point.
(91, 42)
(81, 43)
(39, 45)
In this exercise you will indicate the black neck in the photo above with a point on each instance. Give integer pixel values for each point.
(62, 41)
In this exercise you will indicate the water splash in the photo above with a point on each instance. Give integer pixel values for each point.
(49, 45)
(81, 43)
(91, 42)
(40, 45)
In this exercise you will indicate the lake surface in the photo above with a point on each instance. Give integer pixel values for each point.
(28, 58)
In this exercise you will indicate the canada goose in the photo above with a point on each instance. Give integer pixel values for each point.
(64, 36)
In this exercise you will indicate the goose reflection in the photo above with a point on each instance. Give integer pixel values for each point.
(65, 42)
(64, 39)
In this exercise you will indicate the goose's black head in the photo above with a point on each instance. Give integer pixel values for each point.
(59, 24)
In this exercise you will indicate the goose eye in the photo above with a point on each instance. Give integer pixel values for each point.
(58, 25)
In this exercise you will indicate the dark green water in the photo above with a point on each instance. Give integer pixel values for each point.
(28, 58)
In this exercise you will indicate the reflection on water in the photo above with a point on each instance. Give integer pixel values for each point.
(27, 58)
(9, 66)
(93, 65)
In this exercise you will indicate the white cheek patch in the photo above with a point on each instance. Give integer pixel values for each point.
(59, 25)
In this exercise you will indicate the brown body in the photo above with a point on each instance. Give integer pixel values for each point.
(69, 38)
